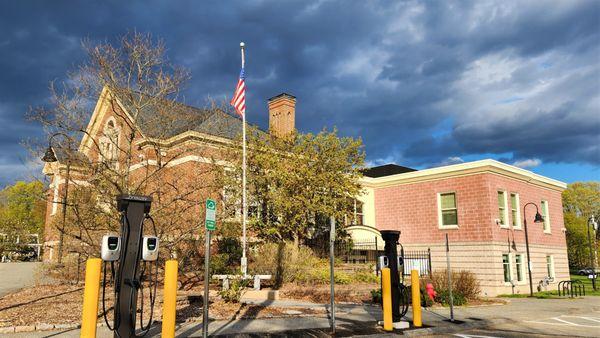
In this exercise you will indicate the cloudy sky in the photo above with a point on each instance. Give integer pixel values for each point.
(423, 83)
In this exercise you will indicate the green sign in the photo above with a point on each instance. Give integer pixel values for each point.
(210, 221)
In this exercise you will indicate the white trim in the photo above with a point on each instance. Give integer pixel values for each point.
(523, 269)
(181, 160)
(506, 224)
(510, 272)
(439, 210)
(546, 214)
(519, 222)
(552, 270)
(462, 169)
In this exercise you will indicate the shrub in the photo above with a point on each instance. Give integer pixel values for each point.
(365, 276)
(464, 283)
(236, 289)
(290, 264)
(376, 296)
(443, 297)
(220, 264)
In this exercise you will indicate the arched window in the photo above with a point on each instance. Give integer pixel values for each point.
(109, 144)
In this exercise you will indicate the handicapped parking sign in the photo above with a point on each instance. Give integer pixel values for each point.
(210, 221)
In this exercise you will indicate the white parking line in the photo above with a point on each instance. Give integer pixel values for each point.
(593, 319)
(563, 322)
(463, 335)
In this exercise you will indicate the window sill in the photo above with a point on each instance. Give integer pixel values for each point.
(518, 228)
(447, 227)
(548, 232)
(504, 226)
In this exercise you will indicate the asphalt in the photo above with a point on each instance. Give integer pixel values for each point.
(520, 318)
(16, 276)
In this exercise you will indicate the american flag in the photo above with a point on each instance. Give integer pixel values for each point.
(239, 96)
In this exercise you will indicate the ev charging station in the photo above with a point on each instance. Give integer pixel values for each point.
(130, 251)
(395, 264)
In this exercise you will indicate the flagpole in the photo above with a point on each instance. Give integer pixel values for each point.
(244, 262)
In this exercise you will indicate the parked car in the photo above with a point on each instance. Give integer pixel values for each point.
(585, 272)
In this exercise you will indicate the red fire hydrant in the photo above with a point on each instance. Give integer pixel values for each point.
(430, 291)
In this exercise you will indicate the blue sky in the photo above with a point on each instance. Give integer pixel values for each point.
(423, 83)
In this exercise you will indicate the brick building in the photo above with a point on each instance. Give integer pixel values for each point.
(177, 152)
(480, 206)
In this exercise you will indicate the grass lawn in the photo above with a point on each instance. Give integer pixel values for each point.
(553, 294)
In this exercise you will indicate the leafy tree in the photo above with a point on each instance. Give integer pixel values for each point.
(296, 182)
(580, 201)
(22, 209)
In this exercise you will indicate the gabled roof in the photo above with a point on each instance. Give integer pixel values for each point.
(386, 170)
(213, 122)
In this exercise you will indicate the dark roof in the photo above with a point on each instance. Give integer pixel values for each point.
(386, 170)
(182, 118)
(282, 95)
(64, 154)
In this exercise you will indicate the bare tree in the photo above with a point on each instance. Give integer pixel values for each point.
(138, 147)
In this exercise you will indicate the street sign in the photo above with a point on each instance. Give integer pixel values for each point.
(210, 221)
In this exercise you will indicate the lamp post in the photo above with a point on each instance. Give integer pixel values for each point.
(49, 157)
(592, 223)
(538, 219)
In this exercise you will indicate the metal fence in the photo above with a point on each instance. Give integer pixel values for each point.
(366, 252)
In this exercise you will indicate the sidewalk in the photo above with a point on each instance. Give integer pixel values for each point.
(351, 320)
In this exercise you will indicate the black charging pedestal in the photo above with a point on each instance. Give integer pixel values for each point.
(391, 237)
(134, 209)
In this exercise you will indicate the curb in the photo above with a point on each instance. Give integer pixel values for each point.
(37, 327)
(452, 328)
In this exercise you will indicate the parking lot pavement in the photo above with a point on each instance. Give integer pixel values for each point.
(16, 276)
(537, 318)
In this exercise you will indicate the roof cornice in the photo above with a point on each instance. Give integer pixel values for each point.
(465, 169)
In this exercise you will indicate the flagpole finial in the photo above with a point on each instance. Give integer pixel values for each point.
(242, 45)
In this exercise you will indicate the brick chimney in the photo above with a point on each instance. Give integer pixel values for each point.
(282, 114)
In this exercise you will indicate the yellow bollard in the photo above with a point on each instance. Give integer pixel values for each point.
(91, 292)
(386, 297)
(416, 298)
(169, 299)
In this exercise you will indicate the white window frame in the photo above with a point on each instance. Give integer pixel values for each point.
(520, 267)
(519, 224)
(505, 211)
(439, 207)
(545, 206)
(551, 263)
(510, 272)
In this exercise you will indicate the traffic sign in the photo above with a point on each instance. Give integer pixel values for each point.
(210, 221)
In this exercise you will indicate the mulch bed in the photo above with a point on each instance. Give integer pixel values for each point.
(62, 304)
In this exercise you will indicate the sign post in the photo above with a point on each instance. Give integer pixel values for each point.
(210, 224)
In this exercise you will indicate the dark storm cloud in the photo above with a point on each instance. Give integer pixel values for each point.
(392, 73)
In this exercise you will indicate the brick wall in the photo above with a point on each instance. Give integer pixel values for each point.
(479, 242)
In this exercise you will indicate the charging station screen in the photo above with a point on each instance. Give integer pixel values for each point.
(151, 243)
(113, 243)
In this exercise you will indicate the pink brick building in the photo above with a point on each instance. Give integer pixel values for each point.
(480, 206)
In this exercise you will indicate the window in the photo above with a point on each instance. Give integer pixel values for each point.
(109, 145)
(519, 266)
(546, 215)
(550, 266)
(515, 210)
(502, 212)
(506, 268)
(358, 212)
(447, 211)
(355, 215)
